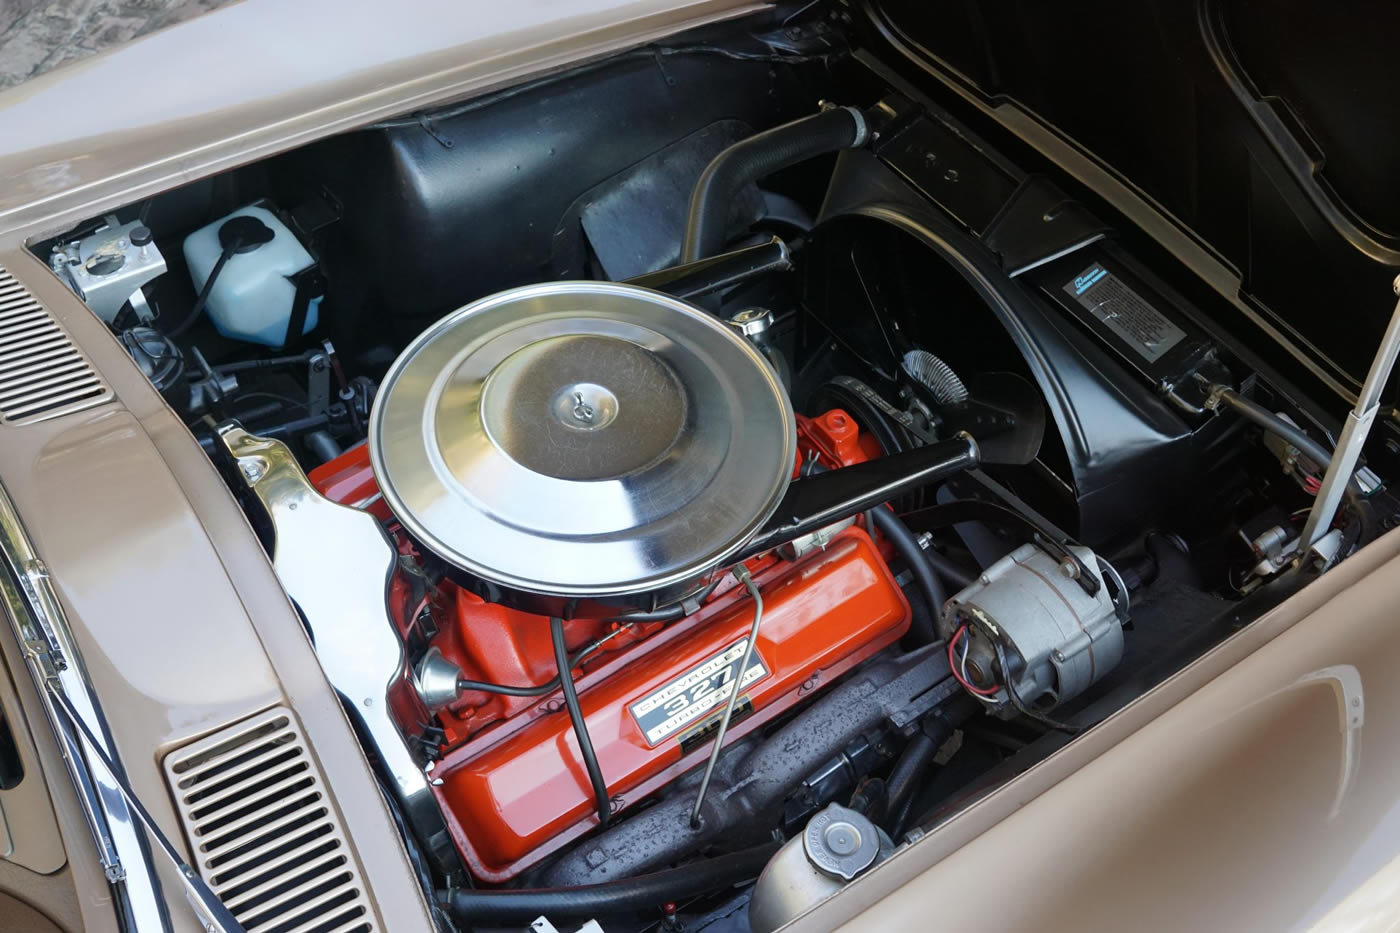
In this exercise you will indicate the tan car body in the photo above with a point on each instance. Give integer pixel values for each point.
(1254, 790)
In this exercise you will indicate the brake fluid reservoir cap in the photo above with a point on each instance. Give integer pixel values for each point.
(582, 439)
(841, 842)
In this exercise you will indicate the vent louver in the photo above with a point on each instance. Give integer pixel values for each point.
(42, 373)
(263, 834)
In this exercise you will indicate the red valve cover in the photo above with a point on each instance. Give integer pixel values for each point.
(513, 787)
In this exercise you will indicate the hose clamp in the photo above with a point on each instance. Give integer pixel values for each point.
(862, 127)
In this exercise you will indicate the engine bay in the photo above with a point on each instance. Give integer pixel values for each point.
(760, 461)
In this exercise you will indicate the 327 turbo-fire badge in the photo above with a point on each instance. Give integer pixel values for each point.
(677, 705)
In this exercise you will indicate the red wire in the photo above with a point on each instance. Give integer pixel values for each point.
(953, 666)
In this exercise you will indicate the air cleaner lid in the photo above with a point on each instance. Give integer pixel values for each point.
(582, 439)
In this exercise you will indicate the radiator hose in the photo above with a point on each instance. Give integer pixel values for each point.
(907, 546)
(757, 157)
(522, 905)
(908, 776)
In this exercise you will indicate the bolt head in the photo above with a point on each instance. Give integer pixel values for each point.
(752, 321)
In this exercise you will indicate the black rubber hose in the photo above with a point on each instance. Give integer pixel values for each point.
(642, 893)
(1253, 411)
(871, 797)
(921, 618)
(507, 690)
(908, 547)
(193, 315)
(925, 628)
(950, 570)
(706, 226)
(585, 743)
(908, 770)
(268, 363)
(672, 613)
(538, 690)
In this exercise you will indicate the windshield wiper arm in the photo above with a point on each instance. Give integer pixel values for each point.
(113, 815)
(215, 916)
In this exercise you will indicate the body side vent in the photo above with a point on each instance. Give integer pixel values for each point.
(262, 830)
(43, 374)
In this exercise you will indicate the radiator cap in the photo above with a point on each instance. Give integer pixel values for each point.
(582, 439)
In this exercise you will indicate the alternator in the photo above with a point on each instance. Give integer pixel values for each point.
(1029, 623)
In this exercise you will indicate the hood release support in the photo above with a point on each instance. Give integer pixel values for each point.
(1353, 437)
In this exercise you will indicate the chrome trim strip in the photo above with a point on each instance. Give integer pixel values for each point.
(341, 593)
(41, 627)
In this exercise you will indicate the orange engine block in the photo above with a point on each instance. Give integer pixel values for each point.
(511, 782)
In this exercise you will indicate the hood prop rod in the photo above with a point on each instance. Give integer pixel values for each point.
(1353, 437)
(829, 497)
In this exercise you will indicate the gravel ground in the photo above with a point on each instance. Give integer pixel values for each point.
(39, 35)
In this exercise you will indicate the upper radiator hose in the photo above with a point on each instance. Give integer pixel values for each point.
(757, 157)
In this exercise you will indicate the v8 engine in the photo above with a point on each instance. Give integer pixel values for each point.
(651, 684)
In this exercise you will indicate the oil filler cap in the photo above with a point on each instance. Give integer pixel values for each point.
(841, 842)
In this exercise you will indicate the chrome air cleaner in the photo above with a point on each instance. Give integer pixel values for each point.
(582, 439)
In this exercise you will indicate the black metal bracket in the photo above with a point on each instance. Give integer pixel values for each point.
(824, 498)
(947, 514)
(310, 285)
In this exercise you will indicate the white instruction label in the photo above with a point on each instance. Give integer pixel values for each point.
(1125, 312)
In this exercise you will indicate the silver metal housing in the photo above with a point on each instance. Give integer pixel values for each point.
(107, 269)
(582, 439)
(1065, 638)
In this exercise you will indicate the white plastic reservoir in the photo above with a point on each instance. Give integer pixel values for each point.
(252, 297)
